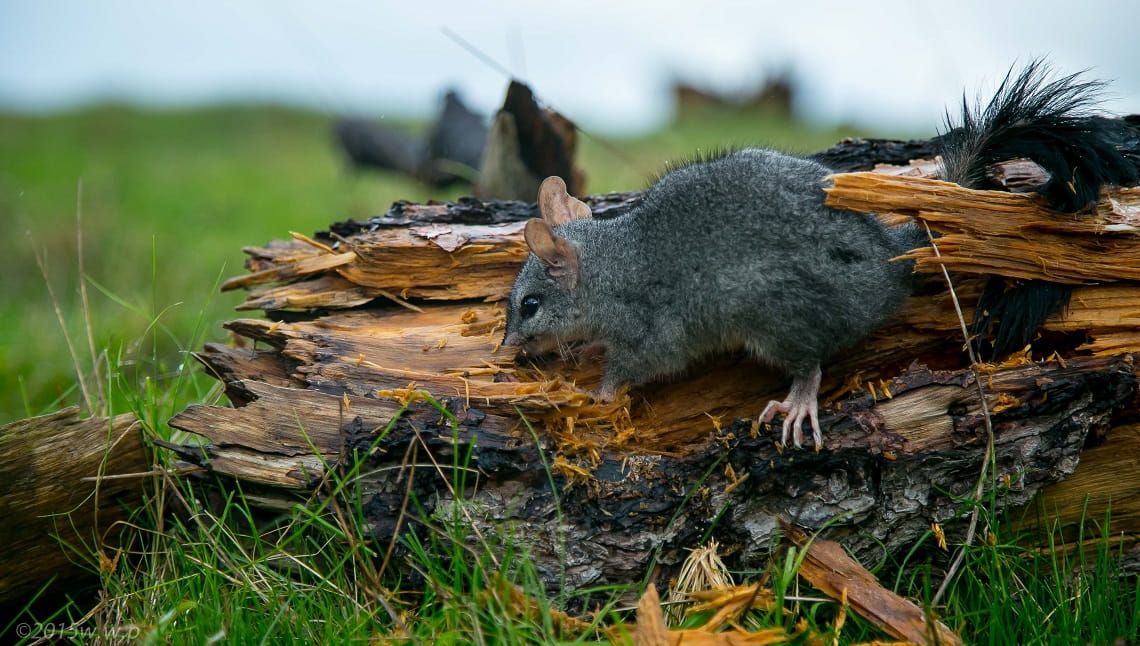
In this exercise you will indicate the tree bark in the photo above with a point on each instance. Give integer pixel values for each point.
(60, 499)
(601, 493)
(594, 515)
(364, 316)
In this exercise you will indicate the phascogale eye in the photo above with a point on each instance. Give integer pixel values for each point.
(529, 307)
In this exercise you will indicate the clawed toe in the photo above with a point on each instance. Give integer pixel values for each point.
(802, 403)
(792, 427)
(771, 409)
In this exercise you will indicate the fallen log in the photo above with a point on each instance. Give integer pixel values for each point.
(415, 251)
(598, 514)
(63, 498)
(602, 492)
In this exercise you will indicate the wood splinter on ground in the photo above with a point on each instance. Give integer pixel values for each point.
(829, 569)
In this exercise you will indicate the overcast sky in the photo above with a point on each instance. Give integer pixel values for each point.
(607, 64)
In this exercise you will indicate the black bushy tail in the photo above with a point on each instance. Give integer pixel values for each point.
(1050, 123)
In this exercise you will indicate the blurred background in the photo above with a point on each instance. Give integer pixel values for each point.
(142, 143)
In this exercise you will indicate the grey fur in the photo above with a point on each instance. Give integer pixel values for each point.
(738, 251)
(727, 253)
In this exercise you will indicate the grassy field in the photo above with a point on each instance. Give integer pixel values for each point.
(167, 200)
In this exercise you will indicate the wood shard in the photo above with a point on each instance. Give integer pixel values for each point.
(829, 569)
(1009, 234)
(651, 630)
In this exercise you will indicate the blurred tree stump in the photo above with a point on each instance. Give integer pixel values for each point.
(524, 145)
(365, 319)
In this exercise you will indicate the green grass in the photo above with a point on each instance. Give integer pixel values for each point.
(168, 200)
(318, 578)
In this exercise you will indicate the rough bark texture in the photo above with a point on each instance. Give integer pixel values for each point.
(593, 516)
(852, 155)
(367, 314)
(57, 504)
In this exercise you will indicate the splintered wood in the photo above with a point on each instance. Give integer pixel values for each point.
(1009, 234)
(1015, 235)
(429, 253)
(383, 341)
(829, 569)
(651, 630)
(411, 262)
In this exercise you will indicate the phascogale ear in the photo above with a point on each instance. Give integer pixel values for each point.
(558, 255)
(556, 205)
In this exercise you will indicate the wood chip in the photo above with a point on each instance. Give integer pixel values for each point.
(829, 569)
